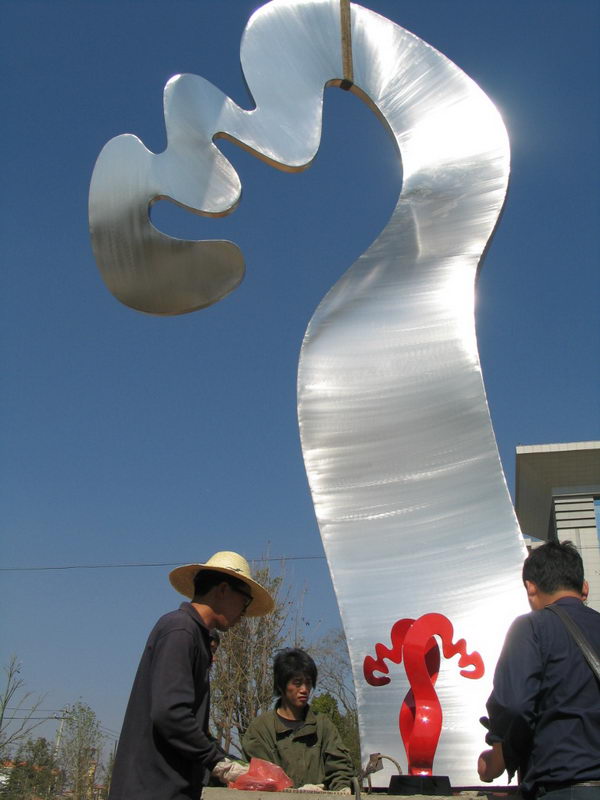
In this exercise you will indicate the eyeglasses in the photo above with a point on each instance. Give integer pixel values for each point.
(248, 597)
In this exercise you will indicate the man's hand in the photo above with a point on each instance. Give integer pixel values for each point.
(228, 771)
(490, 764)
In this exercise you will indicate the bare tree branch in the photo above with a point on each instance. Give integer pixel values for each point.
(17, 724)
(335, 673)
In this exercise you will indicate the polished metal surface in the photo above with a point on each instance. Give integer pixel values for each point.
(404, 471)
(152, 272)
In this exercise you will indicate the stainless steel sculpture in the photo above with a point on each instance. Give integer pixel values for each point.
(404, 471)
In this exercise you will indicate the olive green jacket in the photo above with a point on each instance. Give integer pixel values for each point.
(313, 753)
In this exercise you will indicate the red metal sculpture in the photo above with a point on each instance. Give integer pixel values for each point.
(420, 717)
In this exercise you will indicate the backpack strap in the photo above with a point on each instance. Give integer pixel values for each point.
(588, 651)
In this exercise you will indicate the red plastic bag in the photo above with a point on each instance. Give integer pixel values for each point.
(262, 777)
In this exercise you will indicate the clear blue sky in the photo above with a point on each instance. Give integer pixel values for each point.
(133, 439)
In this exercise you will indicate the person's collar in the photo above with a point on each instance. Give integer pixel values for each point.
(281, 712)
(557, 597)
(192, 612)
(568, 599)
(309, 719)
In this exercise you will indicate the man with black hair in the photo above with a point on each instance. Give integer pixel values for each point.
(165, 751)
(305, 744)
(544, 711)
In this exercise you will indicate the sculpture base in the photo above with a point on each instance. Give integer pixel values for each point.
(419, 784)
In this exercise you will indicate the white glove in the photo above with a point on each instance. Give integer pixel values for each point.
(344, 790)
(228, 771)
(312, 787)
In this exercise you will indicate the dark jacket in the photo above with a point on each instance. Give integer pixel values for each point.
(313, 753)
(545, 707)
(164, 751)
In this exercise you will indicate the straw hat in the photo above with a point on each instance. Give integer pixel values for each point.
(182, 579)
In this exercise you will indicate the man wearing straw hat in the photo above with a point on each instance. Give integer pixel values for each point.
(165, 752)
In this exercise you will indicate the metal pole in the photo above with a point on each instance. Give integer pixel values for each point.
(65, 713)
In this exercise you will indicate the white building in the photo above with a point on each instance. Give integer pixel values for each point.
(558, 497)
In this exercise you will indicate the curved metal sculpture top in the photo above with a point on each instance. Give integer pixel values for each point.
(400, 454)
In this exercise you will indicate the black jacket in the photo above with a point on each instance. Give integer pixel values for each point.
(545, 707)
(164, 752)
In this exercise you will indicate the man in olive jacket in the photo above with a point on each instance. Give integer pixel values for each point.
(165, 752)
(307, 746)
